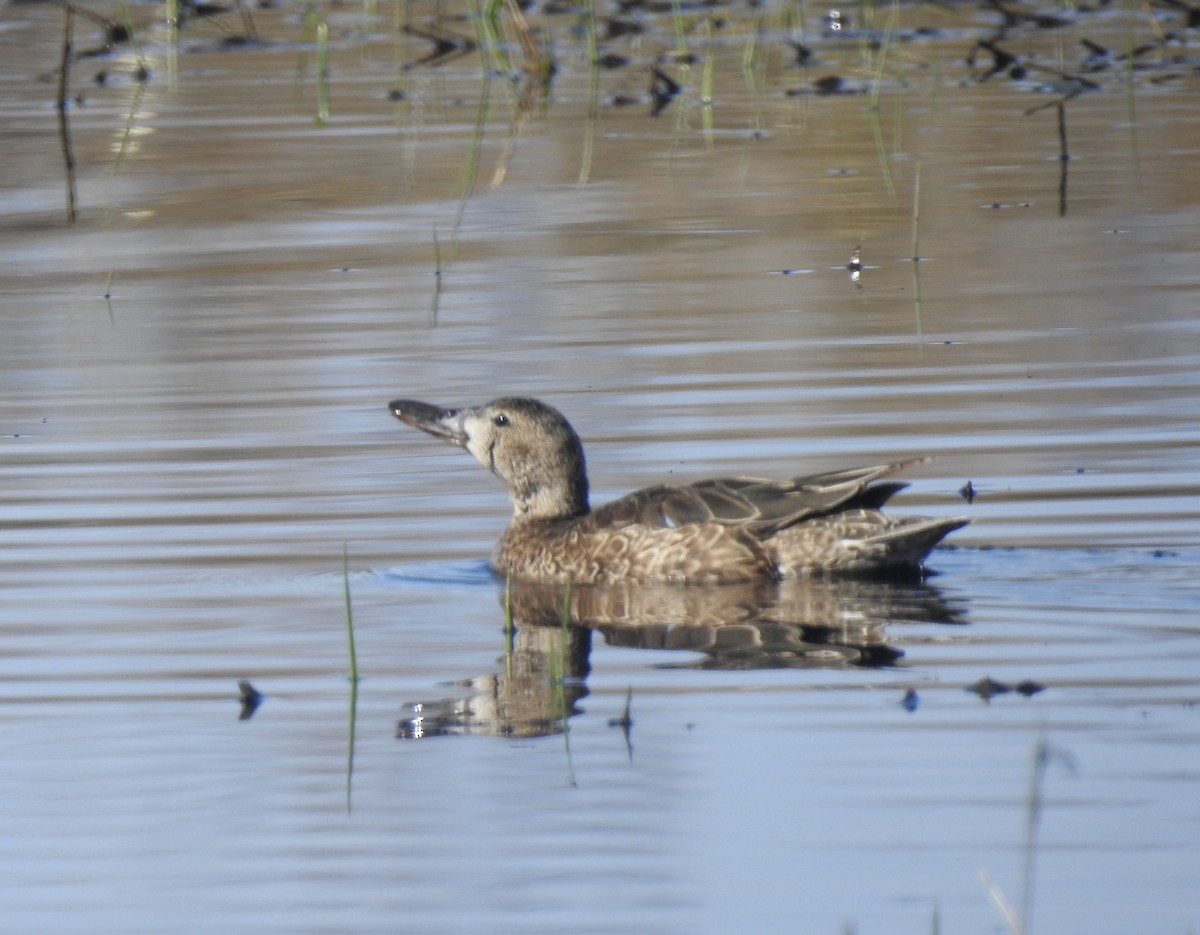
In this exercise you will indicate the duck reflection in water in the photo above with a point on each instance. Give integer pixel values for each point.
(802, 623)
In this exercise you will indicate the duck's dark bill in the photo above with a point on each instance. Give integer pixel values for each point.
(444, 423)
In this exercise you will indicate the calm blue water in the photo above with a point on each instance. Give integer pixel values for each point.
(183, 466)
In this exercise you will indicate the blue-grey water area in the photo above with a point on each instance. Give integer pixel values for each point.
(290, 215)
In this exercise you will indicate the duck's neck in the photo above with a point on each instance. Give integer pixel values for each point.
(545, 481)
(564, 498)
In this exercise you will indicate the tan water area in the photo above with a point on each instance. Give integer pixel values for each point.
(183, 463)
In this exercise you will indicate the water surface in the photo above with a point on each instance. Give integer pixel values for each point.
(184, 463)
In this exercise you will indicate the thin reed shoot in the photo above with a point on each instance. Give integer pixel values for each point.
(350, 648)
(322, 72)
(559, 670)
(353, 654)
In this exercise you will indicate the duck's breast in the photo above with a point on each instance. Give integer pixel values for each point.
(694, 553)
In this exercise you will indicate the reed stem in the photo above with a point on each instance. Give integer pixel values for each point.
(64, 121)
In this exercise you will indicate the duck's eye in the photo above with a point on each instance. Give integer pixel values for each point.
(500, 420)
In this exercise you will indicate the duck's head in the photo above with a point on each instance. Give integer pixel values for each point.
(527, 444)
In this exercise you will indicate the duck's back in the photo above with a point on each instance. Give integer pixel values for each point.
(730, 530)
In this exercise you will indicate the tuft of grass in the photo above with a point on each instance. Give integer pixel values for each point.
(488, 35)
(875, 63)
(322, 72)
(470, 168)
(400, 22)
(538, 64)
(593, 94)
(143, 67)
(135, 110)
(706, 87)
(1131, 104)
(680, 28)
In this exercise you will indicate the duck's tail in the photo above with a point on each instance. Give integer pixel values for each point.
(859, 542)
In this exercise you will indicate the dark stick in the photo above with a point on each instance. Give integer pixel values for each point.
(64, 129)
(1063, 157)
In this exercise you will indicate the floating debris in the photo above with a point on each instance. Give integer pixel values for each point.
(446, 45)
(855, 265)
(987, 688)
(830, 84)
(803, 52)
(612, 60)
(663, 89)
(625, 722)
(617, 27)
(250, 699)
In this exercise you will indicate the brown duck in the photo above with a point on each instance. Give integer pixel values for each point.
(722, 531)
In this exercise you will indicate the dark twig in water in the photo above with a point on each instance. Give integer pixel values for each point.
(115, 33)
(64, 127)
(446, 45)
(625, 722)
(663, 90)
(1064, 157)
(250, 699)
(247, 21)
(1002, 61)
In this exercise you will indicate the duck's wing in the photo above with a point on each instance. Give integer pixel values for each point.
(761, 506)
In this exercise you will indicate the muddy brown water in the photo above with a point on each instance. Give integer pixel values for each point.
(183, 464)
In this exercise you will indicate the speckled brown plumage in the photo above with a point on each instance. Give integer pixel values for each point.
(714, 531)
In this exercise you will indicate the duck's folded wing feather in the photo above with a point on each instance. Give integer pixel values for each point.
(761, 506)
